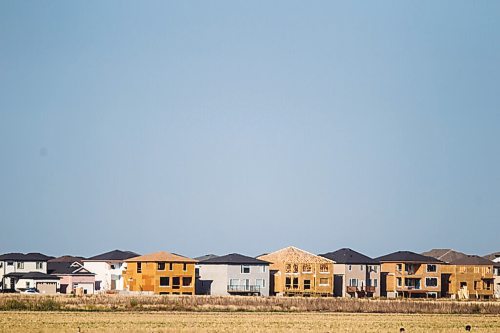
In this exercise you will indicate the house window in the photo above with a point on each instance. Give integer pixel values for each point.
(353, 282)
(307, 284)
(164, 281)
(176, 282)
(323, 282)
(27, 284)
(488, 270)
(295, 268)
(184, 267)
(375, 283)
(361, 267)
(399, 267)
(288, 282)
(39, 265)
(350, 268)
(476, 269)
(262, 269)
(288, 268)
(139, 267)
(295, 283)
(431, 268)
(186, 281)
(306, 268)
(20, 265)
(10, 263)
(462, 269)
(261, 283)
(323, 268)
(234, 282)
(398, 281)
(245, 269)
(112, 266)
(431, 282)
(161, 266)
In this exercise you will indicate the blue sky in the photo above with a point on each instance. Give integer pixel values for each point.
(245, 126)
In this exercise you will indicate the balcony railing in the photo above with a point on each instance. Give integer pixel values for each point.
(366, 289)
(243, 288)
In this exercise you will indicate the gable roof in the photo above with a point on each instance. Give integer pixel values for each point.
(446, 255)
(293, 254)
(407, 256)
(16, 256)
(493, 256)
(472, 260)
(115, 255)
(67, 268)
(233, 259)
(205, 257)
(160, 257)
(348, 256)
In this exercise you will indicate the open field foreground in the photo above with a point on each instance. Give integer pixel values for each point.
(239, 322)
(116, 303)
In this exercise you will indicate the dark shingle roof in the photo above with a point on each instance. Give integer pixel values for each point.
(33, 275)
(472, 260)
(34, 256)
(206, 256)
(407, 256)
(233, 259)
(115, 255)
(66, 268)
(66, 258)
(492, 256)
(446, 255)
(348, 256)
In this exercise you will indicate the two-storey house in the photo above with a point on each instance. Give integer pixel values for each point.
(19, 271)
(108, 269)
(495, 257)
(295, 272)
(409, 274)
(233, 274)
(354, 274)
(468, 277)
(160, 273)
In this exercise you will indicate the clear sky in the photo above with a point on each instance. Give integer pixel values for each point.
(245, 126)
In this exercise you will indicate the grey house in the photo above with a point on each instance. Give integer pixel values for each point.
(233, 274)
(354, 274)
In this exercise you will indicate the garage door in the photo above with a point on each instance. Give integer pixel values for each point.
(47, 287)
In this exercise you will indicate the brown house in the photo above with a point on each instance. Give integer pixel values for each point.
(160, 273)
(297, 272)
(469, 277)
(409, 274)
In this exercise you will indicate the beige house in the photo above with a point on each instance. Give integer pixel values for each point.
(295, 272)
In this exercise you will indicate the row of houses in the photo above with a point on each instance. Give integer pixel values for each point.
(286, 272)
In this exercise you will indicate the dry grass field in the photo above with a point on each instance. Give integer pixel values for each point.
(115, 303)
(112, 322)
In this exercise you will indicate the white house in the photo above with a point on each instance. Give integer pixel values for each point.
(108, 269)
(495, 257)
(19, 271)
(233, 274)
